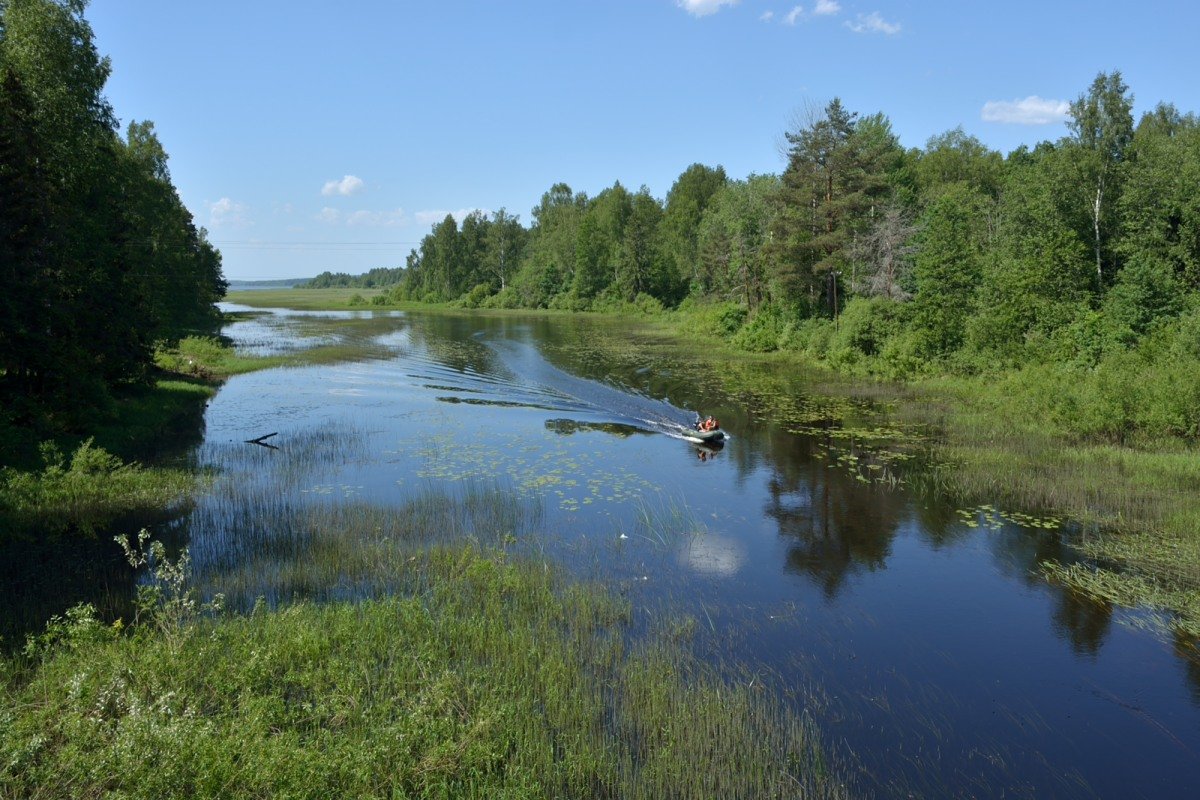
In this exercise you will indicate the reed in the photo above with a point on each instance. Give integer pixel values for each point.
(488, 676)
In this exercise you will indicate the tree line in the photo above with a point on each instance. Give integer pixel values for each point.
(99, 258)
(377, 278)
(953, 258)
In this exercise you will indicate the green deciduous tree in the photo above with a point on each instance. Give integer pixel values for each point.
(686, 202)
(732, 236)
(948, 267)
(1160, 205)
(504, 244)
(641, 267)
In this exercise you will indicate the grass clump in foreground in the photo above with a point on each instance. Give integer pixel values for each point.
(492, 678)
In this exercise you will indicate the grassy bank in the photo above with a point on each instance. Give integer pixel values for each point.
(54, 482)
(490, 678)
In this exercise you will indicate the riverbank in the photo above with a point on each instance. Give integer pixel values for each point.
(982, 440)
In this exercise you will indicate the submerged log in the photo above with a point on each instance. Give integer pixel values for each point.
(261, 441)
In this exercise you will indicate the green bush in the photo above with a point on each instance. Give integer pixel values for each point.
(505, 298)
(477, 296)
(762, 334)
(812, 337)
(711, 319)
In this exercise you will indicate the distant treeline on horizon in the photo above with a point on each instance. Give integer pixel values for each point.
(378, 278)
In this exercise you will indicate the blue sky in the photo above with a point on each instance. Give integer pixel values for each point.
(311, 136)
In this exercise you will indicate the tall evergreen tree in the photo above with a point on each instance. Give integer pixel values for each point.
(837, 172)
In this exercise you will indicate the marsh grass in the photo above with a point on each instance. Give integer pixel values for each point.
(87, 491)
(490, 676)
(281, 550)
(1137, 510)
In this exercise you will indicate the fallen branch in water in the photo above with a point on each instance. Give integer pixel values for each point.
(261, 441)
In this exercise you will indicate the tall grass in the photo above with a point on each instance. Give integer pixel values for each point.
(490, 677)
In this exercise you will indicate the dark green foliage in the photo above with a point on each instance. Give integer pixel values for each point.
(954, 158)
(98, 257)
(732, 234)
(948, 267)
(687, 201)
(1037, 277)
(1160, 204)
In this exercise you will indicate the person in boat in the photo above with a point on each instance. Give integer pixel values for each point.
(708, 424)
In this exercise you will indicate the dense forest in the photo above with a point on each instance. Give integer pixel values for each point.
(99, 258)
(377, 278)
(1075, 263)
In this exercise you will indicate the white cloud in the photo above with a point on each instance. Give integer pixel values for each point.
(827, 8)
(331, 215)
(873, 23)
(434, 216)
(793, 15)
(348, 185)
(1033, 110)
(767, 16)
(227, 213)
(702, 8)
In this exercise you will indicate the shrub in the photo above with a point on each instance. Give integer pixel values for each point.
(505, 298)
(763, 332)
(477, 296)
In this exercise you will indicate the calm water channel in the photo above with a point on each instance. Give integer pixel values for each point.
(921, 636)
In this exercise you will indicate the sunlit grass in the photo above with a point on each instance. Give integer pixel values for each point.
(485, 676)
(312, 299)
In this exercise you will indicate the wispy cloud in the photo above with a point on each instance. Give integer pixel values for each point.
(766, 16)
(827, 8)
(1033, 110)
(378, 219)
(792, 16)
(364, 218)
(873, 23)
(227, 213)
(702, 8)
(348, 185)
(434, 216)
